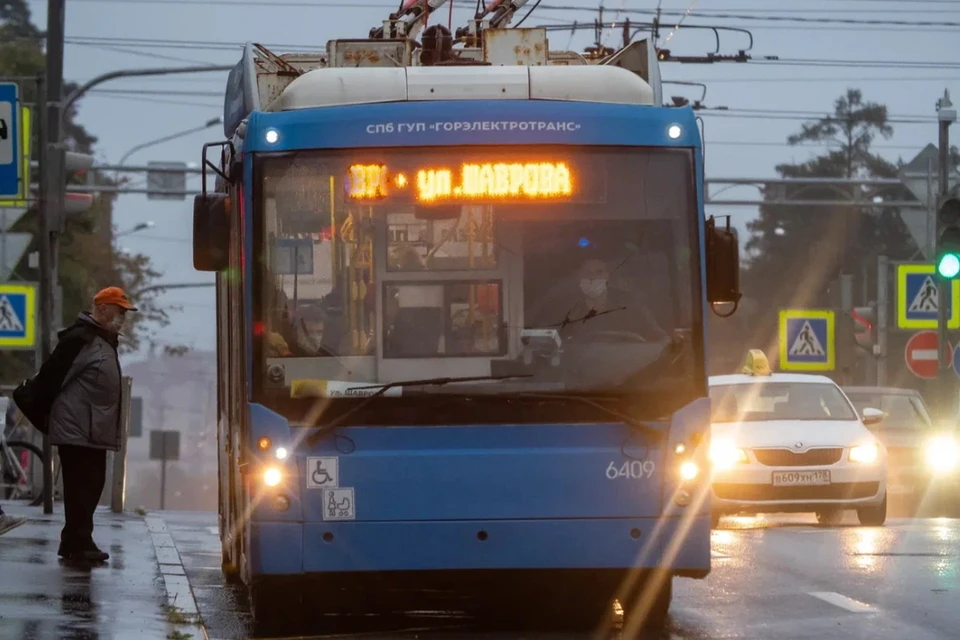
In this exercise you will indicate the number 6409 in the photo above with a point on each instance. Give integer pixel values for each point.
(635, 469)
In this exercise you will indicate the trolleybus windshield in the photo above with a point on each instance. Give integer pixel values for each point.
(576, 267)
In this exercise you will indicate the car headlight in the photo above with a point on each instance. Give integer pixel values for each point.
(723, 454)
(865, 453)
(272, 476)
(943, 454)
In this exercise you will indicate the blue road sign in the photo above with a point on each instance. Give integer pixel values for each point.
(917, 298)
(10, 147)
(18, 314)
(807, 340)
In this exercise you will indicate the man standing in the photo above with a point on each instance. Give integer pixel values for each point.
(83, 374)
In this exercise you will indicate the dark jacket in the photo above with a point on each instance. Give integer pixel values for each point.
(83, 372)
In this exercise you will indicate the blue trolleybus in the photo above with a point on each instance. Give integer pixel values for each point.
(461, 305)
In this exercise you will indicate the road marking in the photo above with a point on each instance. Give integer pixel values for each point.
(837, 600)
(718, 554)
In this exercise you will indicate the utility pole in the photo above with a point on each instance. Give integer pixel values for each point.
(948, 402)
(51, 205)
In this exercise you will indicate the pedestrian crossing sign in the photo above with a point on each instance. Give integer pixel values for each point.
(807, 340)
(18, 314)
(918, 299)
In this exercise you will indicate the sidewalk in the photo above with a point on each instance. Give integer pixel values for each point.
(127, 598)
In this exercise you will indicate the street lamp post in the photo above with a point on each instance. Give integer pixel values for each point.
(107, 222)
(173, 136)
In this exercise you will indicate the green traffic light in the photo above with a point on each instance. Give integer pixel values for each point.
(949, 266)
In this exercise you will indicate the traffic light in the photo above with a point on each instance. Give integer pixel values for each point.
(74, 164)
(865, 326)
(948, 242)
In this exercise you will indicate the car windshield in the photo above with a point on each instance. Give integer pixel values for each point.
(574, 267)
(902, 411)
(761, 401)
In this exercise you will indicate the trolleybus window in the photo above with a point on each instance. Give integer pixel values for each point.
(575, 266)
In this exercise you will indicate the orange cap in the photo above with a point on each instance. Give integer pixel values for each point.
(114, 295)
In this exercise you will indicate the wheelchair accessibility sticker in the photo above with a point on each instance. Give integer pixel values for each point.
(323, 473)
(338, 504)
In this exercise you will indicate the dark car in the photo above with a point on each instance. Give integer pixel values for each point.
(923, 458)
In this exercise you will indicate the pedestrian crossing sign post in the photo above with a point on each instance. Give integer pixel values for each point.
(918, 301)
(807, 340)
(18, 316)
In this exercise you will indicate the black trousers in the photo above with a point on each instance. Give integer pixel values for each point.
(84, 474)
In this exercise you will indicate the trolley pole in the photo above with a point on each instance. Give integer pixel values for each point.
(948, 400)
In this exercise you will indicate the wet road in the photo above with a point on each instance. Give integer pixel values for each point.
(773, 578)
(45, 598)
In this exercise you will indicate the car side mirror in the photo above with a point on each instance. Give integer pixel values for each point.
(211, 231)
(723, 263)
(872, 416)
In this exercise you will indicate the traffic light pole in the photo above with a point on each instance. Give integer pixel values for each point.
(948, 400)
(52, 194)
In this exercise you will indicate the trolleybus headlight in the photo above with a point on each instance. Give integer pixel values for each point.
(943, 454)
(674, 131)
(272, 476)
(865, 453)
(689, 470)
(724, 455)
(271, 136)
(281, 503)
(263, 443)
(281, 453)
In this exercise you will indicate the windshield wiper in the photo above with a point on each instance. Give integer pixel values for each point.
(587, 400)
(383, 388)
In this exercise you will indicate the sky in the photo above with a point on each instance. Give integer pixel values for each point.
(823, 46)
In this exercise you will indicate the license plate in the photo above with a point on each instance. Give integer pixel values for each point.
(800, 478)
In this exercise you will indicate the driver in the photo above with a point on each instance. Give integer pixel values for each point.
(600, 308)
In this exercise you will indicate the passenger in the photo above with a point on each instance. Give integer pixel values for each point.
(310, 331)
(83, 376)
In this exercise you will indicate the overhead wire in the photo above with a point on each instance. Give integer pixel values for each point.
(388, 5)
(213, 45)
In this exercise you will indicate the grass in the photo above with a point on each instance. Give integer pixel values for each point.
(175, 615)
(176, 634)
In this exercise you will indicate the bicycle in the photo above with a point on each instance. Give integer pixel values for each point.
(21, 463)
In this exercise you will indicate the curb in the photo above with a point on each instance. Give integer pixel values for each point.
(175, 582)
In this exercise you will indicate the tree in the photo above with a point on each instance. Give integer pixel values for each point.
(82, 268)
(795, 253)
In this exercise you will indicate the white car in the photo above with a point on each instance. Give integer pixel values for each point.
(785, 442)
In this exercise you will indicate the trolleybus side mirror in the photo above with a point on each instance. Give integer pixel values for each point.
(723, 263)
(211, 231)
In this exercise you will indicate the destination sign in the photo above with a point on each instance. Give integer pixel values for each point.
(469, 182)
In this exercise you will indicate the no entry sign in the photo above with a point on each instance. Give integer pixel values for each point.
(921, 354)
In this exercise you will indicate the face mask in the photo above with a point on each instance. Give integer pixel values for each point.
(593, 288)
(118, 322)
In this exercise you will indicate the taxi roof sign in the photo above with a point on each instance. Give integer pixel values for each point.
(756, 364)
